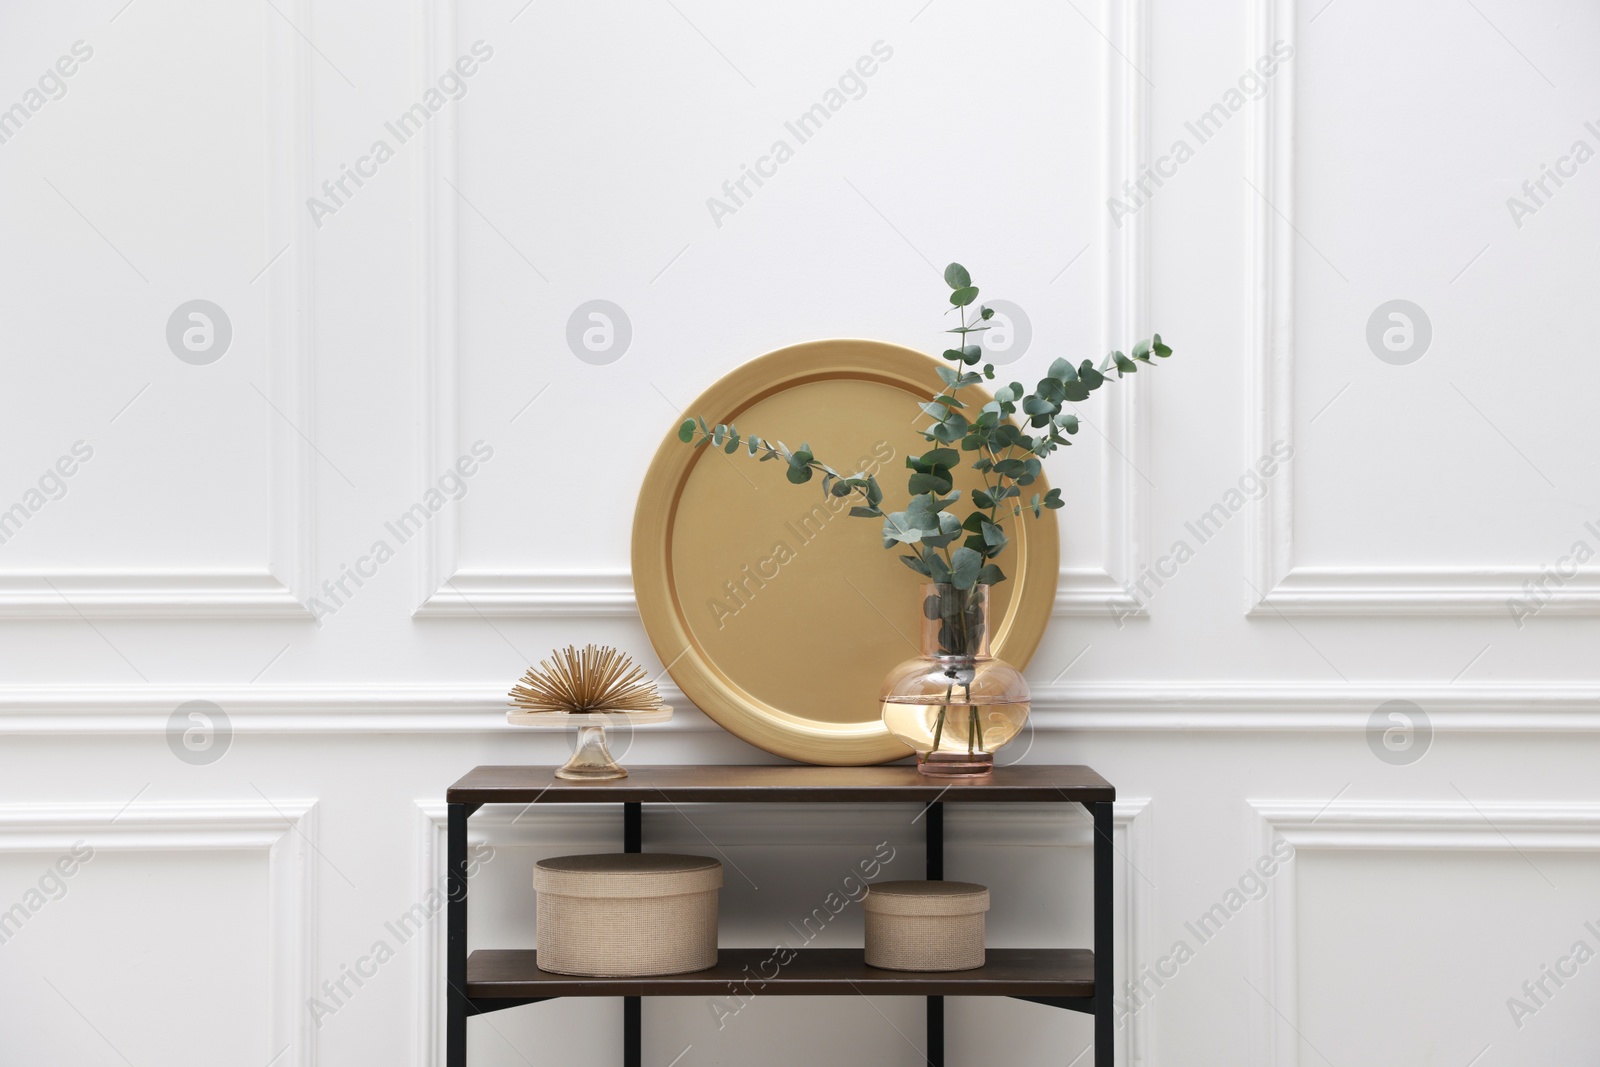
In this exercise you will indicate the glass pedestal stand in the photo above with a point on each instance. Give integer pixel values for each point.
(591, 759)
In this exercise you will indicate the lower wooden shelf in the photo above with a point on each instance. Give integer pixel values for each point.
(514, 974)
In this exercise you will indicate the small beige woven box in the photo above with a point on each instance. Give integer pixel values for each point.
(624, 914)
(925, 926)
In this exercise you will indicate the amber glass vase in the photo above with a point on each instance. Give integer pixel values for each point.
(955, 704)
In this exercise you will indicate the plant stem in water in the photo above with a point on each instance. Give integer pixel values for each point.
(938, 726)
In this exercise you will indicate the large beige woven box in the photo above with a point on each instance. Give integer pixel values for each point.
(627, 913)
(925, 926)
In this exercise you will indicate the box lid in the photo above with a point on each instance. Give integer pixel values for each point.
(926, 898)
(626, 874)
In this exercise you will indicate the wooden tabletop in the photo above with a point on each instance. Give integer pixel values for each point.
(719, 783)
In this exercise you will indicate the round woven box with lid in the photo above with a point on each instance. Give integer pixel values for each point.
(627, 913)
(925, 926)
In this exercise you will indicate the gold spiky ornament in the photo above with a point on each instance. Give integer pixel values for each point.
(596, 679)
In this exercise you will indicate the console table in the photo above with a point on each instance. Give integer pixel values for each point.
(1073, 978)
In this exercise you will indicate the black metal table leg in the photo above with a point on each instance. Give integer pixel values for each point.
(455, 1042)
(935, 852)
(633, 827)
(1105, 1049)
(632, 1007)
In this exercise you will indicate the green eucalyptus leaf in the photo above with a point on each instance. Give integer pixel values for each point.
(989, 574)
(1052, 390)
(951, 429)
(937, 568)
(922, 514)
(964, 566)
(956, 276)
(916, 564)
(964, 296)
(1005, 435)
(1061, 370)
(929, 483)
(897, 528)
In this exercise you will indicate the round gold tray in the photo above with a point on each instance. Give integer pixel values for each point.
(775, 611)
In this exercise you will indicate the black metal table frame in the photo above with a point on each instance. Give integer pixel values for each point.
(459, 1006)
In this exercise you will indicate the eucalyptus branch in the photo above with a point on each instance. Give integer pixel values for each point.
(801, 464)
(1010, 455)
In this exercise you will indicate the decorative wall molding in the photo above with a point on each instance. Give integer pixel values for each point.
(1281, 587)
(434, 49)
(1109, 707)
(1510, 591)
(1392, 825)
(609, 594)
(1271, 300)
(448, 592)
(778, 826)
(1125, 274)
(290, 302)
(127, 595)
(277, 589)
(594, 594)
(285, 829)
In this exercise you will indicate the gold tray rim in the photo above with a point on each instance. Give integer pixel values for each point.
(1017, 636)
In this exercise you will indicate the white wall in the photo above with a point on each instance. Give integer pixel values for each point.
(1230, 696)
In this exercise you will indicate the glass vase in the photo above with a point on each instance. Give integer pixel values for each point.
(955, 704)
